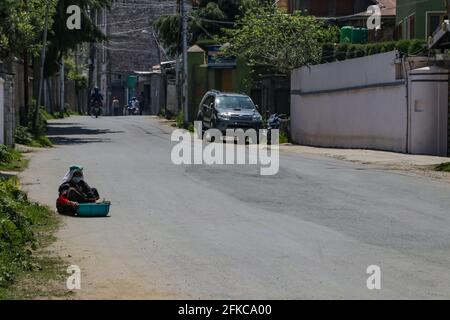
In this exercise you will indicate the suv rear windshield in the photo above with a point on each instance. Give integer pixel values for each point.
(234, 102)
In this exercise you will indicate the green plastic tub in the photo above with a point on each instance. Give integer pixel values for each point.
(94, 209)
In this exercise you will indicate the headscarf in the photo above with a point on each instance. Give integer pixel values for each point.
(69, 175)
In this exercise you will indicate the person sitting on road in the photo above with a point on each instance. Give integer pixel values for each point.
(73, 191)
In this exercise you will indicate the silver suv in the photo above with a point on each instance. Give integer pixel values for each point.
(223, 111)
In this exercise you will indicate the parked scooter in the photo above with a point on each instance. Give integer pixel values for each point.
(274, 122)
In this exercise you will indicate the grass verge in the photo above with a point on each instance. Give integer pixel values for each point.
(27, 269)
(11, 159)
(24, 136)
(444, 167)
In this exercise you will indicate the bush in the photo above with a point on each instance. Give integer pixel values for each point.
(180, 119)
(41, 142)
(341, 51)
(403, 46)
(327, 53)
(416, 46)
(17, 240)
(45, 115)
(360, 51)
(23, 136)
(5, 154)
(351, 53)
(390, 46)
(443, 167)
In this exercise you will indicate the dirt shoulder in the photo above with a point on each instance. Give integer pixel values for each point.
(417, 164)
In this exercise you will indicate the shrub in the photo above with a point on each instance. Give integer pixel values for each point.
(416, 46)
(360, 51)
(23, 136)
(180, 119)
(390, 46)
(5, 154)
(443, 167)
(351, 53)
(341, 51)
(403, 46)
(327, 53)
(18, 217)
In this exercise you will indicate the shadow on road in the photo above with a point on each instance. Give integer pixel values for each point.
(61, 133)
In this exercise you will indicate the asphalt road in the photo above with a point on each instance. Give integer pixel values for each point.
(227, 232)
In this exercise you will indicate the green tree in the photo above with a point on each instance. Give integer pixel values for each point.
(269, 37)
(62, 40)
(21, 26)
(206, 22)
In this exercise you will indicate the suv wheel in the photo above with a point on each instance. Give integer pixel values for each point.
(212, 125)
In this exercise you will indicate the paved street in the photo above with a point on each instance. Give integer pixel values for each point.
(226, 232)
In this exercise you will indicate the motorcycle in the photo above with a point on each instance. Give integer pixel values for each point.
(274, 123)
(133, 111)
(97, 108)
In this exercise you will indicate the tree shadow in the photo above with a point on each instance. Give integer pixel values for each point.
(69, 141)
(61, 133)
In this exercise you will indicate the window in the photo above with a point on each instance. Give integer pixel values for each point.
(434, 20)
(234, 102)
(399, 31)
(412, 26)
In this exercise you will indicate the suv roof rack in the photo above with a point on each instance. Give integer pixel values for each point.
(214, 91)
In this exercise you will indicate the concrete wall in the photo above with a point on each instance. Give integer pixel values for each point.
(356, 103)
(172, 98)
(362, 103)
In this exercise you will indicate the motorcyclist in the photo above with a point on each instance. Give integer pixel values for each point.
(96, 98)
(132, 106)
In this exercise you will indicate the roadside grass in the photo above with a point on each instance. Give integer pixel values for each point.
(443, 167)
(11, 159)
(24, 136)
(27, 269)
(283, 138)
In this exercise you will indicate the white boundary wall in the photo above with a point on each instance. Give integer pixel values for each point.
(357, 103)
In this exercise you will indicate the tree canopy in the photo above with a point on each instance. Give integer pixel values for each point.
(269, 37)
(61, 40)
(205, 22)
(21, 25)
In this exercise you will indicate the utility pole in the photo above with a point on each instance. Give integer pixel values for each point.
(41, 78)
(184, 32)
(62, 84)
(26, 85)
(92, 56)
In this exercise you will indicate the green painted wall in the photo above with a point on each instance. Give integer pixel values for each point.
(407, 7)
(203, 79)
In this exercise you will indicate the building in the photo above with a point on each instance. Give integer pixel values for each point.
(207, 71)
(351, 13)
(330, 8)
(131, 46)
(419, 19)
